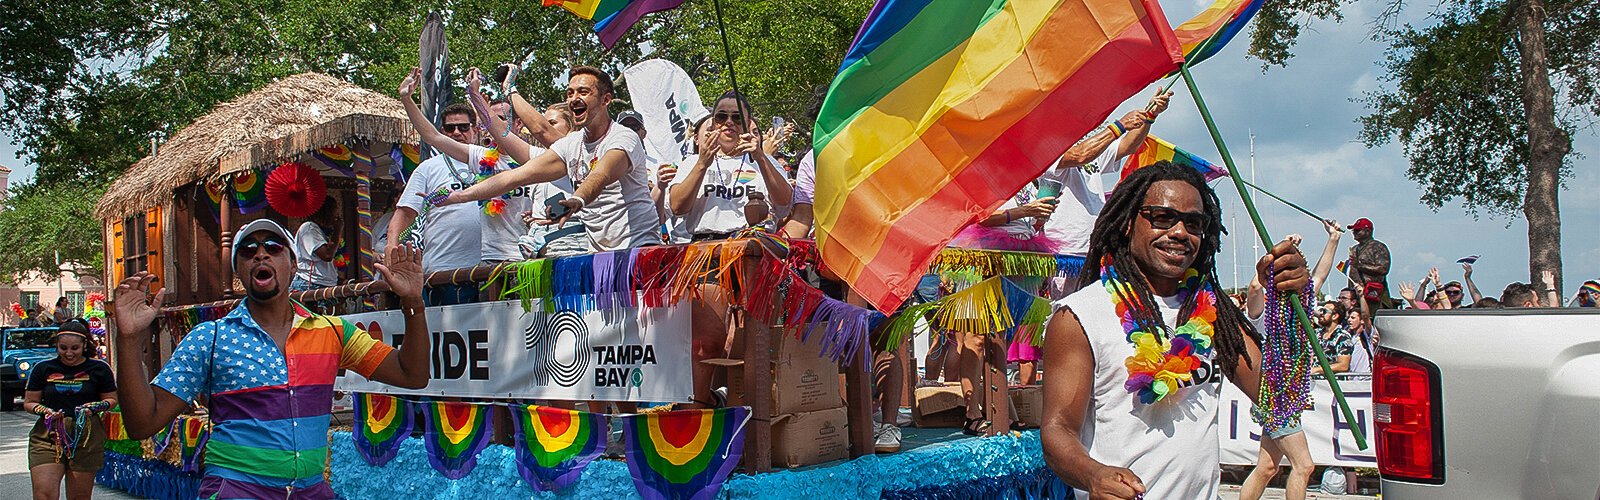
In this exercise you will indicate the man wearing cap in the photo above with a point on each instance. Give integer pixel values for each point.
(267, 368)
(1369, 260)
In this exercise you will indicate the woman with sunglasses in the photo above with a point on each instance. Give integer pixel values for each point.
(724, 187)
(56, 390)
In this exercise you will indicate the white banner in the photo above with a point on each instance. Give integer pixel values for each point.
(1327, 431)
(663, 93)
(495, 350)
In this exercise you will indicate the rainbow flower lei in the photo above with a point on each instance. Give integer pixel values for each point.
(1161, 360)
(496, 206)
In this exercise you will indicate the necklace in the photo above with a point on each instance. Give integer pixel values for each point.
(493, 207)
(1285, 389)
(1162, 359)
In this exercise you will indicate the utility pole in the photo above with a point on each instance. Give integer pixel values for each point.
(1255, 246)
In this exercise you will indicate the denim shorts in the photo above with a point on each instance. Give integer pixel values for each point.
(1287, 430)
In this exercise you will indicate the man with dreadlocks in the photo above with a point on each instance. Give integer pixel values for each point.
(1141, 346)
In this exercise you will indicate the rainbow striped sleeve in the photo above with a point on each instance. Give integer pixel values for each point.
(360, 352)
(1205, 34)
(942, 110)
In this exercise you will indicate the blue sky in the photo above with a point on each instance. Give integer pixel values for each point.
(1306, 150)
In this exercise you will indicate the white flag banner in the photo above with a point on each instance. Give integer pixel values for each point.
(667, 99)
(495, 350)
(1327, 432)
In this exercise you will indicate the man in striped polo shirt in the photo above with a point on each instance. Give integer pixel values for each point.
(267, 367)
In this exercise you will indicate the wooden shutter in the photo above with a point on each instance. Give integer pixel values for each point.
(119, 241)
(152, 243)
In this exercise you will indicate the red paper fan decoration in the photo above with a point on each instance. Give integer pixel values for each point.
(296, 190)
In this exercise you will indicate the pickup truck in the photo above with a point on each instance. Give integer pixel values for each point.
(1490, 403)
(23, 348)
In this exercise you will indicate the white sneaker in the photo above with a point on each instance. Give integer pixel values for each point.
(886, 438)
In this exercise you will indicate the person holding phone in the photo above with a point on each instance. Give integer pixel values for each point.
(724, 188)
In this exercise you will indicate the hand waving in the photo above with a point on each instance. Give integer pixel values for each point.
(136, 307)
(409, 84)
(402, 270)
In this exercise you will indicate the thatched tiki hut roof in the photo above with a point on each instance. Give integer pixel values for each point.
(280, 121)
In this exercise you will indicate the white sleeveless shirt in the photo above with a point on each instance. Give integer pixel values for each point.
(1171, 444)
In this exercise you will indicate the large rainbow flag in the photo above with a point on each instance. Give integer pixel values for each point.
(456, 433)
(613, 17)
(1204, 35)
(554, 445)
(1154, 149)
(382, 423)
(942, 110)
(685, 454)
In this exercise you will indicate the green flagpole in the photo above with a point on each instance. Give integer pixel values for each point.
(1261, 231)
(1276, 197)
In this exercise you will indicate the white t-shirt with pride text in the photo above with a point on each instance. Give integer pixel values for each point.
(724, 191)
(622, 215)
(459, 236)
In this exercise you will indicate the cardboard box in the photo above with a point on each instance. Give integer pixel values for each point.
(800, 439)
(802, 379)
(1028, 403)
(939, 407)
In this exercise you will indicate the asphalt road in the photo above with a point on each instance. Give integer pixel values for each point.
(14, 479)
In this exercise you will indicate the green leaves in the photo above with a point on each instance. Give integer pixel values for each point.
(40, 220)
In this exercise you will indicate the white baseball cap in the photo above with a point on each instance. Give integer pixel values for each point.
(257, 226)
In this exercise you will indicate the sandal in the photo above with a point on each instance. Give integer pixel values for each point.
(973, 427)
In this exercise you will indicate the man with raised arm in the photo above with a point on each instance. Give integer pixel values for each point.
(605, 159)
(267, 369)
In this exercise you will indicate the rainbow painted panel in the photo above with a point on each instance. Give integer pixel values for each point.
(942, 110)
(554, 445)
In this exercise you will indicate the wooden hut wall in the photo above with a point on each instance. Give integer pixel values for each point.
(201, 273)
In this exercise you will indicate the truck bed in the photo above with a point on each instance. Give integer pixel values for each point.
(1520, 396)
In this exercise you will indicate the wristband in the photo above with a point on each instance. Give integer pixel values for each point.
(1008, 216)
(1116, 129)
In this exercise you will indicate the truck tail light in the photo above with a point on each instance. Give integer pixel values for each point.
(1408, 412)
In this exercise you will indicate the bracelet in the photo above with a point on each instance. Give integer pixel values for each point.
(1008, 216)
(1115, 129)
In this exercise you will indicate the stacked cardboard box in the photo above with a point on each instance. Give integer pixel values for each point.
(809, 419)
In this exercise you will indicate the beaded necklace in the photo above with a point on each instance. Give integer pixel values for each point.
(1285, 389)
(1162, 359)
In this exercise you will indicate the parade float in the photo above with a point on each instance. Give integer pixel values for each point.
(610, 326)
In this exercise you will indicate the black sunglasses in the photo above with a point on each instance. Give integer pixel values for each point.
(1165, 218)
(734, 117)
(250, 248)
(1452, 292)
(457, 127)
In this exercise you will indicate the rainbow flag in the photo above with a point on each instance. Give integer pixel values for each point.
(685, 454)
(1343, 267)
(338, 157)
(1204, 35)
(1154, 149)
(382, 423)
(163, 438)
(192, 436)
(455, 434)
(406, 158)
(554, 445)
(614, 16)
(115, 431)
(942, 110)
(250, 189)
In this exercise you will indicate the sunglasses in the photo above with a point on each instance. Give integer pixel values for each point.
(1452, 292)
(250, 248)
(457, 127)
(727, 117)
(1165, 218)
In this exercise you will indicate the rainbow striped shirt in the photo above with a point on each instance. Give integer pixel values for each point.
(270, 408)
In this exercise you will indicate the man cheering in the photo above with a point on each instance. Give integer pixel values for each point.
(1143, 343)
(267, 368)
